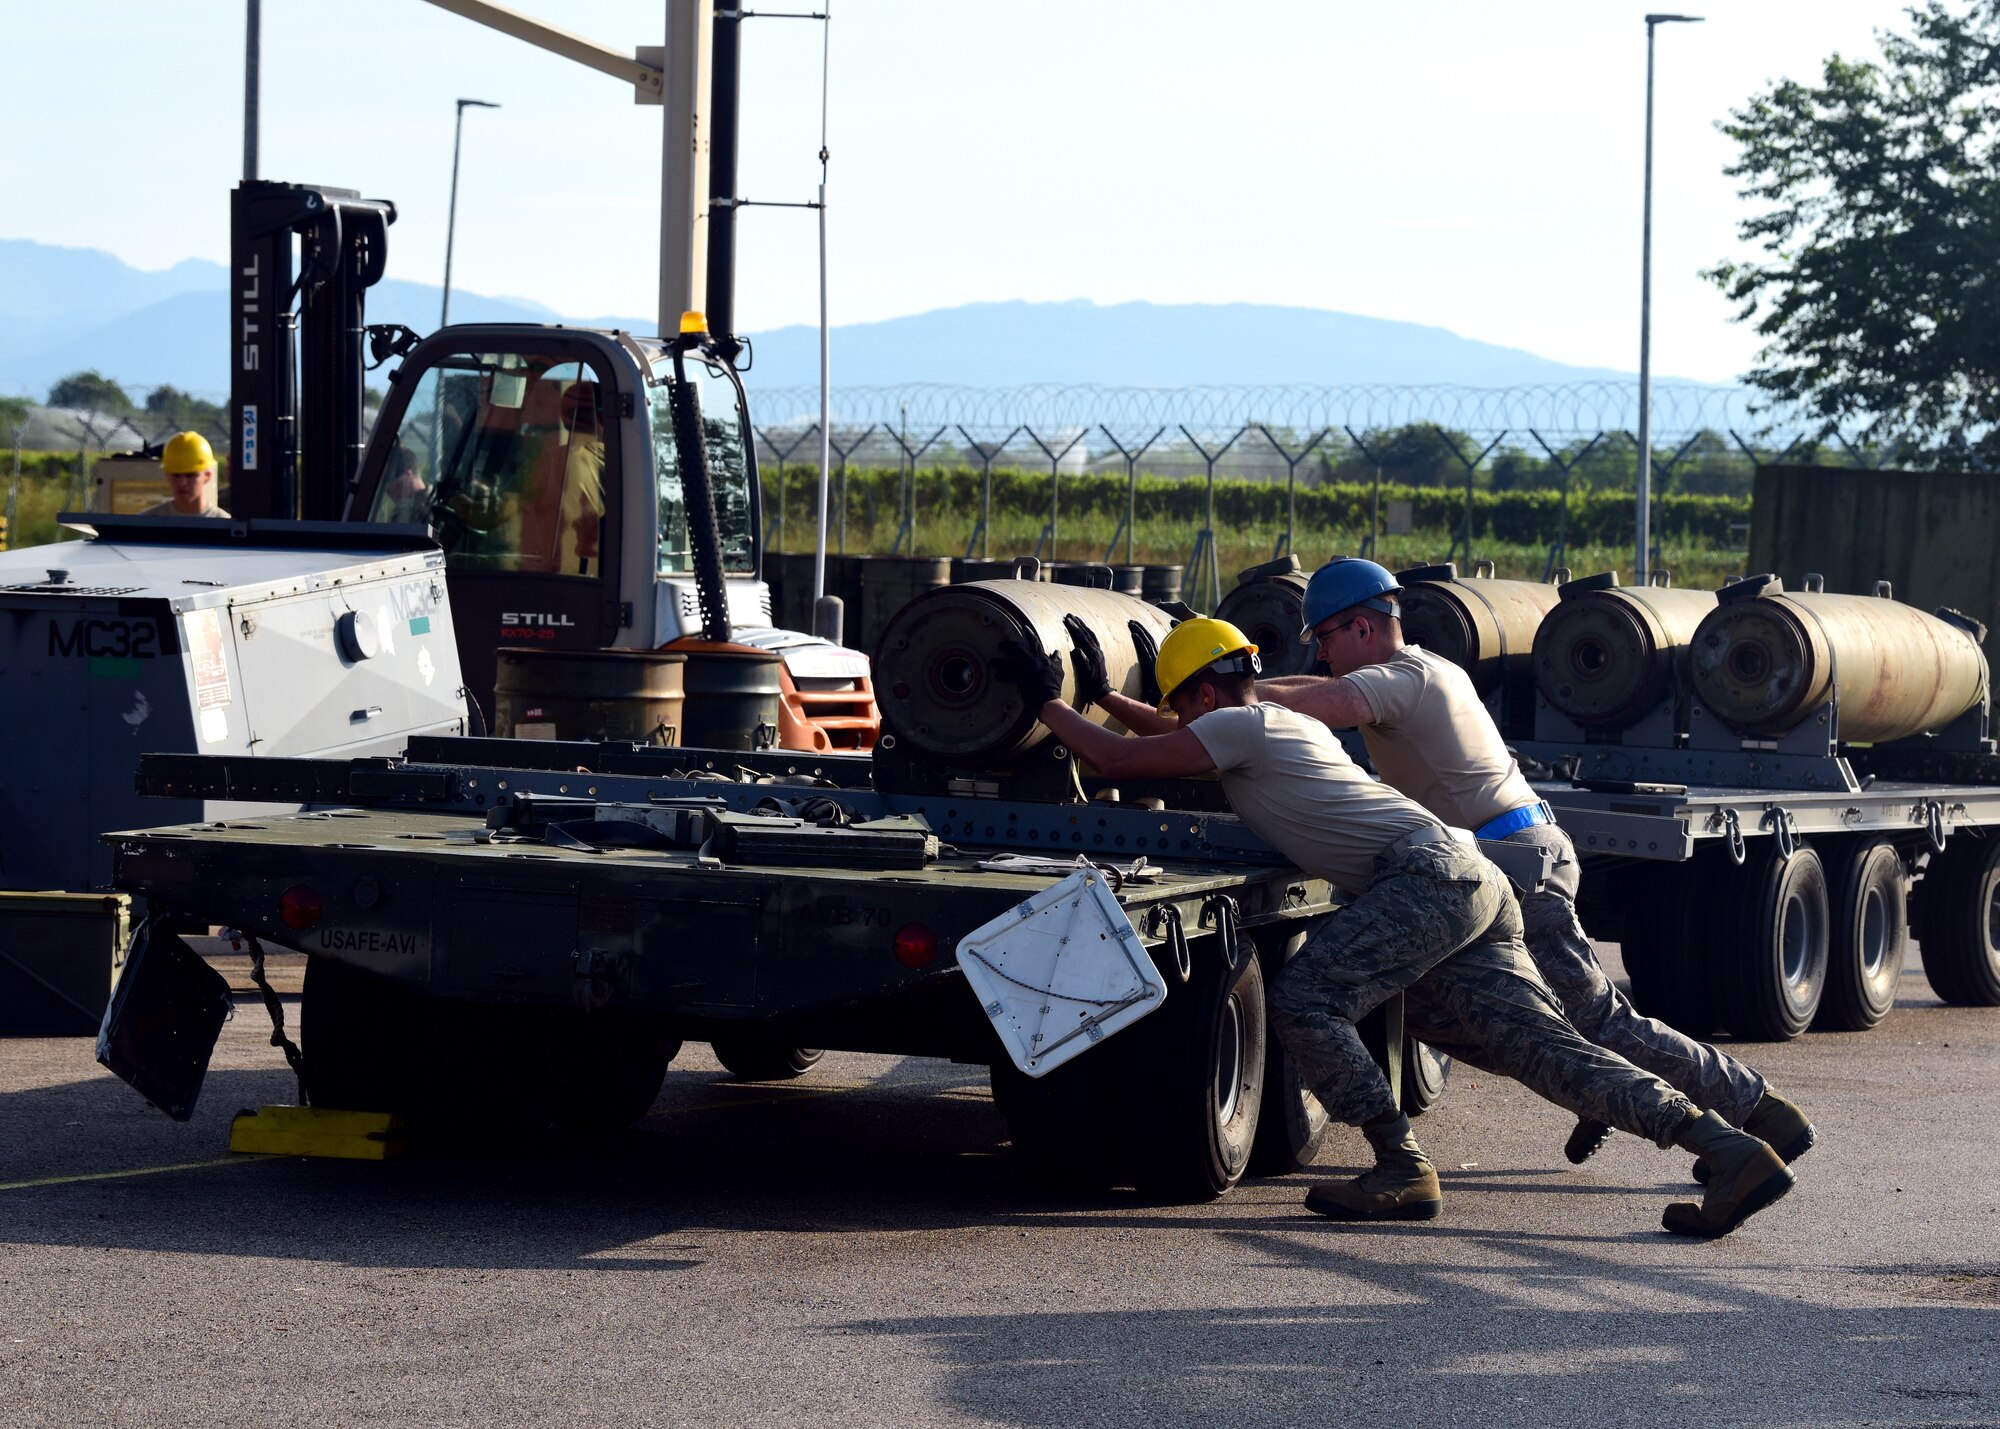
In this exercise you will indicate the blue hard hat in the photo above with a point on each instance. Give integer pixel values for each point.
(1343, 583)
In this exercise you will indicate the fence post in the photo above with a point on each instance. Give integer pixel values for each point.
(1559, 547)
(985, 455)
(1052, 532)
(1128, 527)
(1470, 467)
(784, 454)
(842, 453)
(1284, 542)
(908, 528)
(1204, 541)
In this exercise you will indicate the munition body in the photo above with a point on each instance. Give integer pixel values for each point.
(1765, 659)
(1608, 654)
(933, 669)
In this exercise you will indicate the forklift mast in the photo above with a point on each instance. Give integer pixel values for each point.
(285, 461)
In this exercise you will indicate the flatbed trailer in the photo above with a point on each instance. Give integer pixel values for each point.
(1771, 911)
(516, 930)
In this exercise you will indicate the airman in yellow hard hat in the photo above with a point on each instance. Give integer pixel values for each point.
(1427, 915)
(189, 464)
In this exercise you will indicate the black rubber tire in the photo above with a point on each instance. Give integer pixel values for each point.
(1425, 1072)
(608, 1077)
(1291, 1124)
(1958, 921)
(1063, 1124)
(1670, 915)
(355, 1031)
(1200, 1086)
(1773, 948)
(752, 1058)
(1868, 890)
(1142, 1109)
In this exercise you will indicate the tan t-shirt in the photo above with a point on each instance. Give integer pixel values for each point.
(1287, 777)
(1434, 740)
(166, 508)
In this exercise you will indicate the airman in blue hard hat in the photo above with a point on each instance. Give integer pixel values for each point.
(1430, 736)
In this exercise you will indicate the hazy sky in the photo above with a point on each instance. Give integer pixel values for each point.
(1470, 165)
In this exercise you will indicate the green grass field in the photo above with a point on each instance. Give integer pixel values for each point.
(1163, 541)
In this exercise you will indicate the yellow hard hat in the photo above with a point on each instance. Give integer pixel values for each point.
(187, 452)
(1193, 646)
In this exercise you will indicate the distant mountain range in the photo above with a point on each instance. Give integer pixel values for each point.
(64, 309)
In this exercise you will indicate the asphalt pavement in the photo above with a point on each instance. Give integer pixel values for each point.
(857, 1248)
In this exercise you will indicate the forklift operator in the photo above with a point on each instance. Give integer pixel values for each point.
(189, 465)
(1428, 916)
(1429, 736)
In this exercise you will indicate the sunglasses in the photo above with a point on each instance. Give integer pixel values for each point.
(1320, 637)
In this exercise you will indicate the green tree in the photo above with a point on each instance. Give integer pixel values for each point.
(1879, 289)
(91, 392)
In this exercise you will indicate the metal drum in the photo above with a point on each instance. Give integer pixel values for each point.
(1083, 573)
(1607, 654)
(733, 694)
(1161, 583)
(1129, 580)
(590, 694)
(888, 583)
(1486, 627)
(1268, 605)
(933, 676)
(1764, 659)
(965, 569)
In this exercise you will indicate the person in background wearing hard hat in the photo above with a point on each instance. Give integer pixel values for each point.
(1429, 917)
(1430, 736)
(189, 464)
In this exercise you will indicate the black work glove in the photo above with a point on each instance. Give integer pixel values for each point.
(1038, 680)
(1093, 681)
(1148, 651)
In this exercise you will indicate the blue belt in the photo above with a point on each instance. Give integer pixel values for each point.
(1514, 820)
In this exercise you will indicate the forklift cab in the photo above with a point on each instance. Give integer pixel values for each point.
(543, 459)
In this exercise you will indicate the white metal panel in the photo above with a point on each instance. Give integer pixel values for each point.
(1060, 972)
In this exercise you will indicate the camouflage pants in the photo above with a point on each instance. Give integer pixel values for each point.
(1561, 949)
(1439, 924)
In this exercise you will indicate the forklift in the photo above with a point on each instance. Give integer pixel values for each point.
(590, 489)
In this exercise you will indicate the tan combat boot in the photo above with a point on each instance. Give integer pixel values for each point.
(1778, 1123)
(1402, 1186)
(1746, 1176)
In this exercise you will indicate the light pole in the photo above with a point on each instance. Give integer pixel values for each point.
(1645, 518)
(451, 219)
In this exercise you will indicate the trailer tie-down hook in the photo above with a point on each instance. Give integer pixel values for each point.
(1934, 824)
(1732, 825)
(1220, 911)
(1784, 828)
(1169, 914)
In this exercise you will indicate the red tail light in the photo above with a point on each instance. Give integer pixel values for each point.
(916, 945)
(299, 907)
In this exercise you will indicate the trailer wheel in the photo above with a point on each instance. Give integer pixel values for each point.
(1669, 938)
(1774, 953)
(1870, 901)
(355, 1031)
(1062, 1124)
(1200, 1092)
(1425, 1071)
(1169, 1105)
(608, 1077)
(1291, 1124)
(1958, 922)
(752, 1058)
